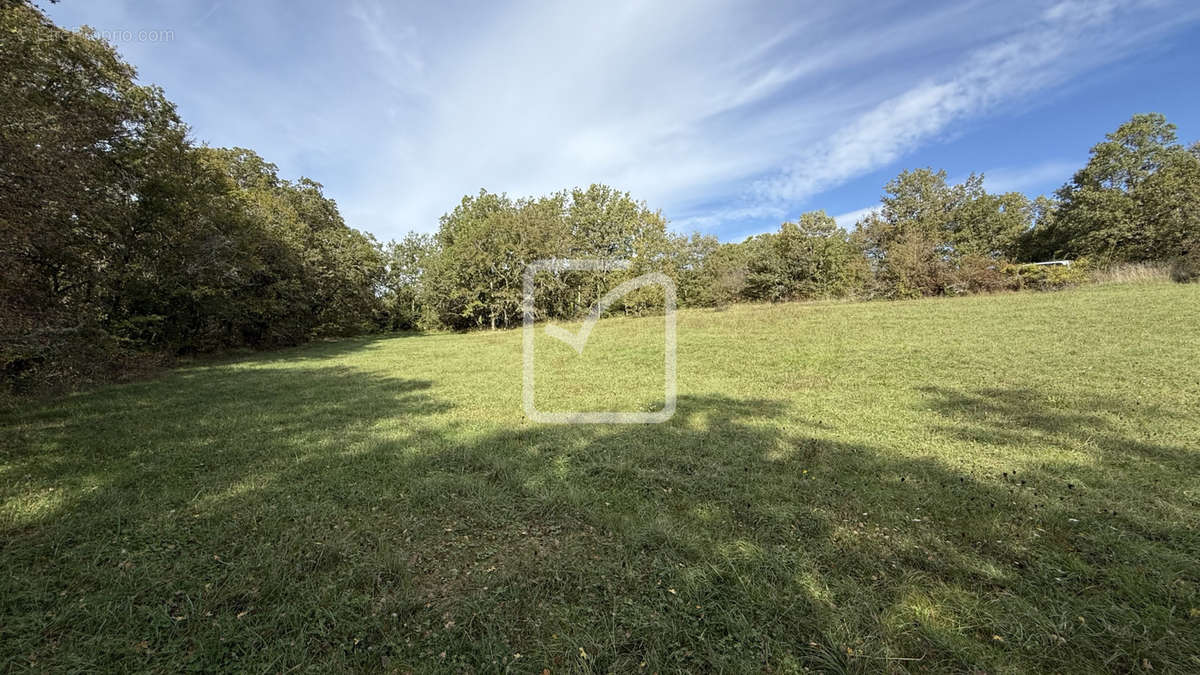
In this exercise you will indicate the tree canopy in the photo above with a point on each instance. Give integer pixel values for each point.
(123, 237)
(126, 241)
(1135, 200)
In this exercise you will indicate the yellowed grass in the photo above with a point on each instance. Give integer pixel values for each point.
(1133, 273)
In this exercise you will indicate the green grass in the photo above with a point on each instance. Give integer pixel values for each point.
(1006, 483)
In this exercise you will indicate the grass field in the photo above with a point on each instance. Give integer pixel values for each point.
(1005, 483)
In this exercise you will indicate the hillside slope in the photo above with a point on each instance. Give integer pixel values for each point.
(1005, 483)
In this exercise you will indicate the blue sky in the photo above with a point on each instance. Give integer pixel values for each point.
(730, 117)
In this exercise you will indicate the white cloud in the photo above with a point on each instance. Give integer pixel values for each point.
(712, 219)
(1038, 56)
(1044, 177)
(847, 220)
(724, 115)
(683, 110)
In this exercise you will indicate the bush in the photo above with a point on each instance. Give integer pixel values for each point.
(58, 360)
(980, 274)
(1186, 268)
(912, 268)
(1049, 277)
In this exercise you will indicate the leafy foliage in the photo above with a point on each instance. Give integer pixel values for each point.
(926, 228)
(1138, 198)
(1186, 269)
(1048, 277)
(126, 241)
(809, 259)
(474, 278)
(129, 243)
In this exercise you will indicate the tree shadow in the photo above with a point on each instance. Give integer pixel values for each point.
(215, 425)
(327, 349)
(1018, 415)
(341, 514)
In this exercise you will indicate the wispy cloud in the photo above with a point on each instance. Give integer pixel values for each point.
(1044, 53)
(1042, 177)
(725, 115)
(847, 220)
(714, 218)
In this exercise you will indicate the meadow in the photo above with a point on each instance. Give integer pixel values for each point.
(1004, 483)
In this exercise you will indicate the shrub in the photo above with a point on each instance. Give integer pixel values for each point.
(1049, 277)
(60, 359)
(1186, 268)
(980, 274)
(728, 286)
(913, 267)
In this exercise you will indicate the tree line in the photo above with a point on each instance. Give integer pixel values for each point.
(123, 239)
(1136, 200)
(126, 242)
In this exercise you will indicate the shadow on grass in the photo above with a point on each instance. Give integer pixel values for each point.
(1007, 416)
(197, 430)
(273, 518)
(318, 350)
